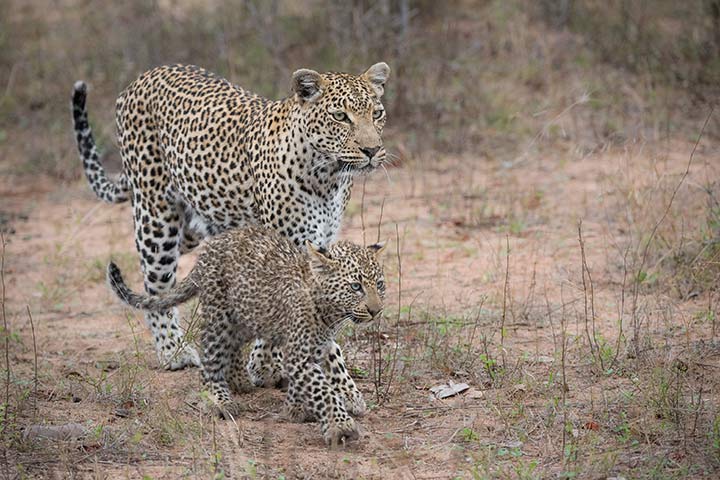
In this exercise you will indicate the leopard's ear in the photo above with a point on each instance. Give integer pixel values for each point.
(319, 257)
(308, 85)
(377, 75)
(378, 248)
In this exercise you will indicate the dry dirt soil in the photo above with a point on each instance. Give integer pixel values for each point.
(557, 389)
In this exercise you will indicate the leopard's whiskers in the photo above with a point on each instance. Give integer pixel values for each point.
(320, 165)
(338, 325)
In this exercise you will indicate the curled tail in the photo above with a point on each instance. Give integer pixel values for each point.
(183, 292)
(103, 187)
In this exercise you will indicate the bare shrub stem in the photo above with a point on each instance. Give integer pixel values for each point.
(35, 357)
(589, 301)
(506, 287)
(6, 334)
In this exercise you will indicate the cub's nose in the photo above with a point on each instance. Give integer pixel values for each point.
(370, 152)
(374, 311)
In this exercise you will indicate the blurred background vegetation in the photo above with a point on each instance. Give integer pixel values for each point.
(491, 78)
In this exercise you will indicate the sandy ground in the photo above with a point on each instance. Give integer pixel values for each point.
(454, 218)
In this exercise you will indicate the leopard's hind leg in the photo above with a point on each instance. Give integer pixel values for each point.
(157, 233)
(221, 342)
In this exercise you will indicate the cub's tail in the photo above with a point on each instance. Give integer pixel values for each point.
(183, 292)
(103, 187)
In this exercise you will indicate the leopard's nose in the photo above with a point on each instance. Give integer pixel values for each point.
(370, 152)
(373, 312)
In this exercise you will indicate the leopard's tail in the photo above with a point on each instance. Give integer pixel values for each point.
(104, 188)
(182, 292)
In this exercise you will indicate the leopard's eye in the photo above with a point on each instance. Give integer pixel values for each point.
(377, 114)
(380, 285)
(356, 287)
(341, 117)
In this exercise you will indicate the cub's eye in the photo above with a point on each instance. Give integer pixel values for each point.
(341, 117)
(377, 114)
(380, 285)
(356, 287)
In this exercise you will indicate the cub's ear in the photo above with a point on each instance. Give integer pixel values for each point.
(308, 85)
(378, 248)
(319, 256)
(377, 75)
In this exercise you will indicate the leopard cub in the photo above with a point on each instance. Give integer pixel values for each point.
(253, 282)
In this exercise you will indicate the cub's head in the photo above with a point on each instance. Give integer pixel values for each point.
(351, 279)
(343, 116)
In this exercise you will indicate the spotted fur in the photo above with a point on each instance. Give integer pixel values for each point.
(201, 155)
(253, 282)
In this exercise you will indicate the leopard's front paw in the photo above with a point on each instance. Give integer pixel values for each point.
(355, 404)
(341, 431)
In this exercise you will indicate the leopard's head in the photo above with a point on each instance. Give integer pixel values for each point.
(350, 280)
(342, 115)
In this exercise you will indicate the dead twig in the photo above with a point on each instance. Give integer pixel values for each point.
(382, 209)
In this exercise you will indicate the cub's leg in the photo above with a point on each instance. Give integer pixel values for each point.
(220, 342)
(304, 353)
(342, 382)
(295, 410)
(265, 365)
(237, 375)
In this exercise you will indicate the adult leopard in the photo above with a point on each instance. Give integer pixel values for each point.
(201, 155)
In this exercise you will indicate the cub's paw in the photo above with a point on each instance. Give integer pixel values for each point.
(179, 358)
(341, 431)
